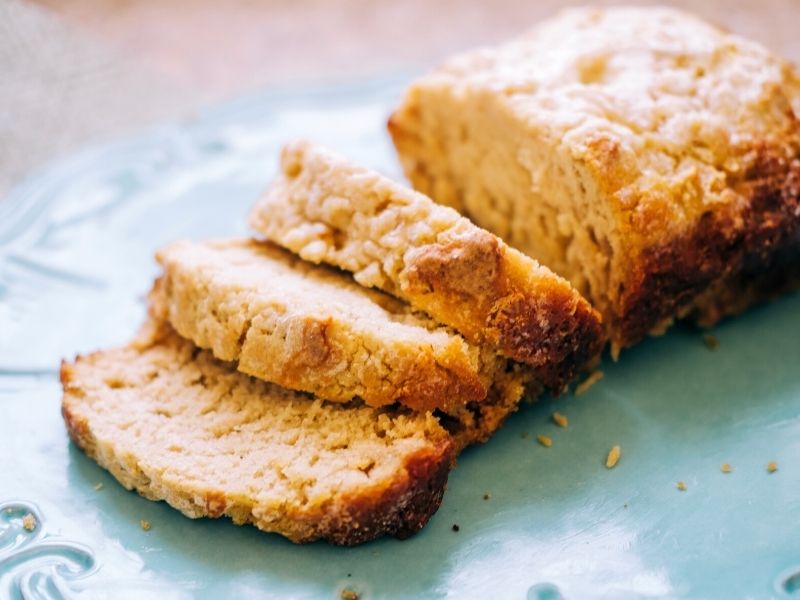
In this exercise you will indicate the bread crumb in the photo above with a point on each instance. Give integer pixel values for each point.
(456, 527)
(560, 419)
(584, 386)
(613, 457)
(29, 522)
(725, 468)
(544, 440)
(486, 496)
(772, 466)
(349, 595)
(711, 341)
(98, 487)
(144, 525)
(681, 486)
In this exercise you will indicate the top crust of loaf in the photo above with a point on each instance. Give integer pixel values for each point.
(172, 422)
(330, 211)
(688, 135)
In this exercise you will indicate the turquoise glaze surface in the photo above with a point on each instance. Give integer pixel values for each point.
(76, 245)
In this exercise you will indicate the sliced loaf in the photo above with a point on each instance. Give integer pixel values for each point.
(328, 210)
(172, 422)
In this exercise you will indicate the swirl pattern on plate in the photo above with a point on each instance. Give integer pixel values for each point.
(34, 565)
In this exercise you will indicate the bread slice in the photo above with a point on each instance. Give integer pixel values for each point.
(176, 424)
(328, 210)
(313, 329)
(647, 156)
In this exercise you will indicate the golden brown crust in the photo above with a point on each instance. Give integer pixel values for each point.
(574, 338)
(466, 268)
(539, 321)
(749, 244)
(399, 510)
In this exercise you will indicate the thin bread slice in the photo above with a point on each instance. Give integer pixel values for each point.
(175, 424)
(328, 210)
(172, 422)
(311, 328)
(647, 156)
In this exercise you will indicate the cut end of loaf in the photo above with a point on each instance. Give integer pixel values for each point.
(662, 183)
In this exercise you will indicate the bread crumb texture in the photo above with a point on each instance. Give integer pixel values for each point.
(681, 485)
(172, 422)
(544, 440)
(329, 210)
(175, 424)
(647, 156)
(772, 466)
(314, 329)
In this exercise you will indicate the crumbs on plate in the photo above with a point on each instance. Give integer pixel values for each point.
(711, 341)
(613, 457)
(560, 419)
(29, 522)
(584, 385)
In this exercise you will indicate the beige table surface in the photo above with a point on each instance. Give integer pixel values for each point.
(81, 71)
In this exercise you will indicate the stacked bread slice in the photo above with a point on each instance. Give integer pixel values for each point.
(315, 403)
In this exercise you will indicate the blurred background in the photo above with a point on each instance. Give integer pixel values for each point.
(73, 72)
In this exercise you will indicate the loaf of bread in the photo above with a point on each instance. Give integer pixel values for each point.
(647, 156)
(312, 328)
(328, 210)
(172, 422)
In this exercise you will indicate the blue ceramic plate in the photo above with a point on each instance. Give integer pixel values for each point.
(76, 246)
